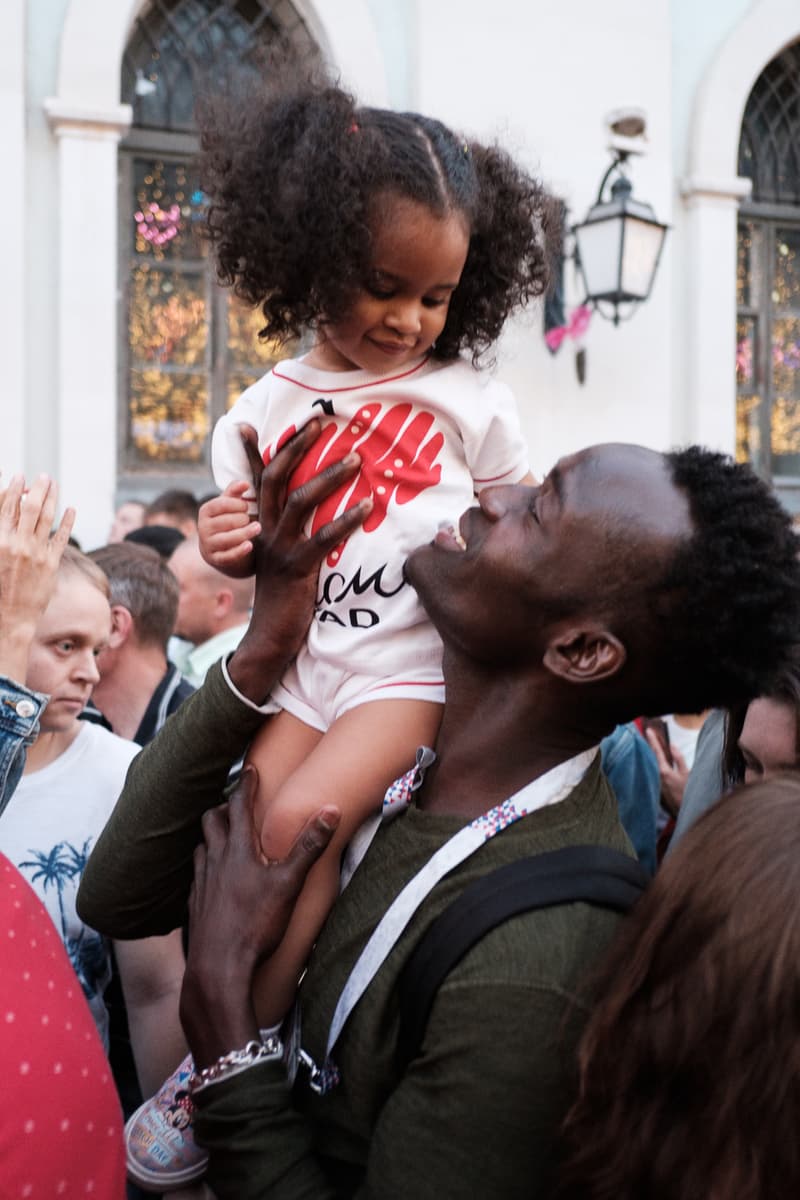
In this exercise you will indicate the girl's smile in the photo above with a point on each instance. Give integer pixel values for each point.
(402, 308)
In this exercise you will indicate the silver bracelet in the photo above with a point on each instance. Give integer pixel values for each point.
(236, 1061)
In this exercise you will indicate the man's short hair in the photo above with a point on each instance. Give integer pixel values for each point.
(164, 539)
(725, 618)
(74, 561)
(181, 505)
(142, 582)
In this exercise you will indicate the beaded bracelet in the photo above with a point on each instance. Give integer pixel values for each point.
(236, 1061)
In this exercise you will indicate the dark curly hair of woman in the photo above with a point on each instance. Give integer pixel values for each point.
(690, 1063)
(292, 175)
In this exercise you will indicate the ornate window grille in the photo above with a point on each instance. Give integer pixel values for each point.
(768, 278)
(188, 347)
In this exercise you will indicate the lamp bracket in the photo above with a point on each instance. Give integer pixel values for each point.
(617, 163)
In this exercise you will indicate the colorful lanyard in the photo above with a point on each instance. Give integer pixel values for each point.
(550, 788)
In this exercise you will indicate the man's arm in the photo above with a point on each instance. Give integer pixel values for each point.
(480, 1105)
(477, 1115)
(151, 973)
(138, 877)
(240, 908)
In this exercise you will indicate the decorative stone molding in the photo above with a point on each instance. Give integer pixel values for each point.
(737, 189)
(75, 120)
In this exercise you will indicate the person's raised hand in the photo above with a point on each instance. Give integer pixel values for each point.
(673, 774)
(29, 558)
(239, 909)
(286, 559)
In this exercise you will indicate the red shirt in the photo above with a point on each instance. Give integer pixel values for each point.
(60, 1118)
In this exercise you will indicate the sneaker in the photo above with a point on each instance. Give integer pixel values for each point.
(161, 1151)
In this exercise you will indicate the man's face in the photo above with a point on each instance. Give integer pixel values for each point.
(197, 598)
(534, 557)
(71, 633)
(128, 516)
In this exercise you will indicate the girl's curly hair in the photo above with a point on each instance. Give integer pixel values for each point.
(292, 174)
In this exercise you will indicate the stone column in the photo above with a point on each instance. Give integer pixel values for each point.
(712, 208)
(86, 282)
(12, 221)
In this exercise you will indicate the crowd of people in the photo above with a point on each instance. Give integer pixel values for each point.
(447, 682)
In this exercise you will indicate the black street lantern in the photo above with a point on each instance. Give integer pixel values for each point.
(618, 246)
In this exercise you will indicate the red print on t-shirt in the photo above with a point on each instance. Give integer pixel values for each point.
(396, 461)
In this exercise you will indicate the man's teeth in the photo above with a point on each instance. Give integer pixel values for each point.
(449, 527)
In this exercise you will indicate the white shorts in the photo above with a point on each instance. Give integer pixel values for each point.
(318, 693)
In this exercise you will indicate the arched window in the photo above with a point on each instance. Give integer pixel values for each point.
(188, 347)
(768, 278)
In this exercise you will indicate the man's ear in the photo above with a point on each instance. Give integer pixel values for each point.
(223, 602)
(121, 626)
(584, 655)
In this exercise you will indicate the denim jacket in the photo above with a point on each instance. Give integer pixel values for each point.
(20, 709)
(632, 770)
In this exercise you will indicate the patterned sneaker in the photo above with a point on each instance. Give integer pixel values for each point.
(162, 1153)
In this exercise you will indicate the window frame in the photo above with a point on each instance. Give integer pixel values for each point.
(141, 479)
(769, 217)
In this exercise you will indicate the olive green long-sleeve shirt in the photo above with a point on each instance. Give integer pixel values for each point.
(475, 1114)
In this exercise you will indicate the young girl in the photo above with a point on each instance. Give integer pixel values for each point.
(398, 248)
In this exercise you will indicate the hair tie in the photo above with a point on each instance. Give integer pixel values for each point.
(354, 128)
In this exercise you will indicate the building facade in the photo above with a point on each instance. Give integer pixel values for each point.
(120, 351)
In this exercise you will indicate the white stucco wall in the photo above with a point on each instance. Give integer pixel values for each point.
(13, 201)
(542, 78)
(539, 77)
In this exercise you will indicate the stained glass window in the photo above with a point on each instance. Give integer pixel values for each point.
(189, 348)
(768, 277)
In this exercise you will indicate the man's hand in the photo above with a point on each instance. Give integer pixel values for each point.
(29, 559)
(287, 561)
(239, 910)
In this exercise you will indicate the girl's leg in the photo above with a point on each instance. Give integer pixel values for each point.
(351, 767)
(281, 746)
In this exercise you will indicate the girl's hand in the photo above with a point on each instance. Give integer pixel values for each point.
(226, 531)
(287, 561)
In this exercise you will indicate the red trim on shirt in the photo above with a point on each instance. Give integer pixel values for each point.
(409, 682)
(354, 387)
(494, 478)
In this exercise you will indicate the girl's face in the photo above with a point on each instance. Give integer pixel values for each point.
(400, 311)
(768, 740)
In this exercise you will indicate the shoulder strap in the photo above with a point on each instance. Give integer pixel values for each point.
(591, 874)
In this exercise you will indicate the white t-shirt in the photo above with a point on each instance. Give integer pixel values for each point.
(682, 739)
(48, 829)
(429, 438)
